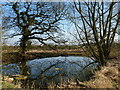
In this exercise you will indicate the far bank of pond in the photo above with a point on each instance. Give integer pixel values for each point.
(15, 57)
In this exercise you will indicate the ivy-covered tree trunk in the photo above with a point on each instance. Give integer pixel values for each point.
(24, 68)
(23, 46)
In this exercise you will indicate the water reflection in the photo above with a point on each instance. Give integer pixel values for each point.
(53, 68)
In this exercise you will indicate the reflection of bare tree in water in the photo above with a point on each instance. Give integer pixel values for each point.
(43, 80)
(49, 72)
(57, 74)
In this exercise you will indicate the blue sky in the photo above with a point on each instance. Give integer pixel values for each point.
(68, 28)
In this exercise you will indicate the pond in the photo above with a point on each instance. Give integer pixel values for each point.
(54, 68)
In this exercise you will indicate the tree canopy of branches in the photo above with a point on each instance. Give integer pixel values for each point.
(34, 20)
(96, 24)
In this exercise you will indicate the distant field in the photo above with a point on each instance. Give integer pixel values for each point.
(10, 54)
(45, 47)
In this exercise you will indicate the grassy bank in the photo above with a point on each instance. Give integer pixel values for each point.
(107, 77)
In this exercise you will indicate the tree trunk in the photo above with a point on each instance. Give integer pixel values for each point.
(23, 54)
(24, 67)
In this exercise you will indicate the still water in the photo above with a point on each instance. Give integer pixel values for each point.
(54, 67)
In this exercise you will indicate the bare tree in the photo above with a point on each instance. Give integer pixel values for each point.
(96, 24)
(32, 20)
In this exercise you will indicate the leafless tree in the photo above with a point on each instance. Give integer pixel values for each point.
(96, 24)
(32, 20)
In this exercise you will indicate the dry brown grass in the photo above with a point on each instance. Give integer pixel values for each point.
(107, 77)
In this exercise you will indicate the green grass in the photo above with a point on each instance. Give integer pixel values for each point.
(7, 85)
